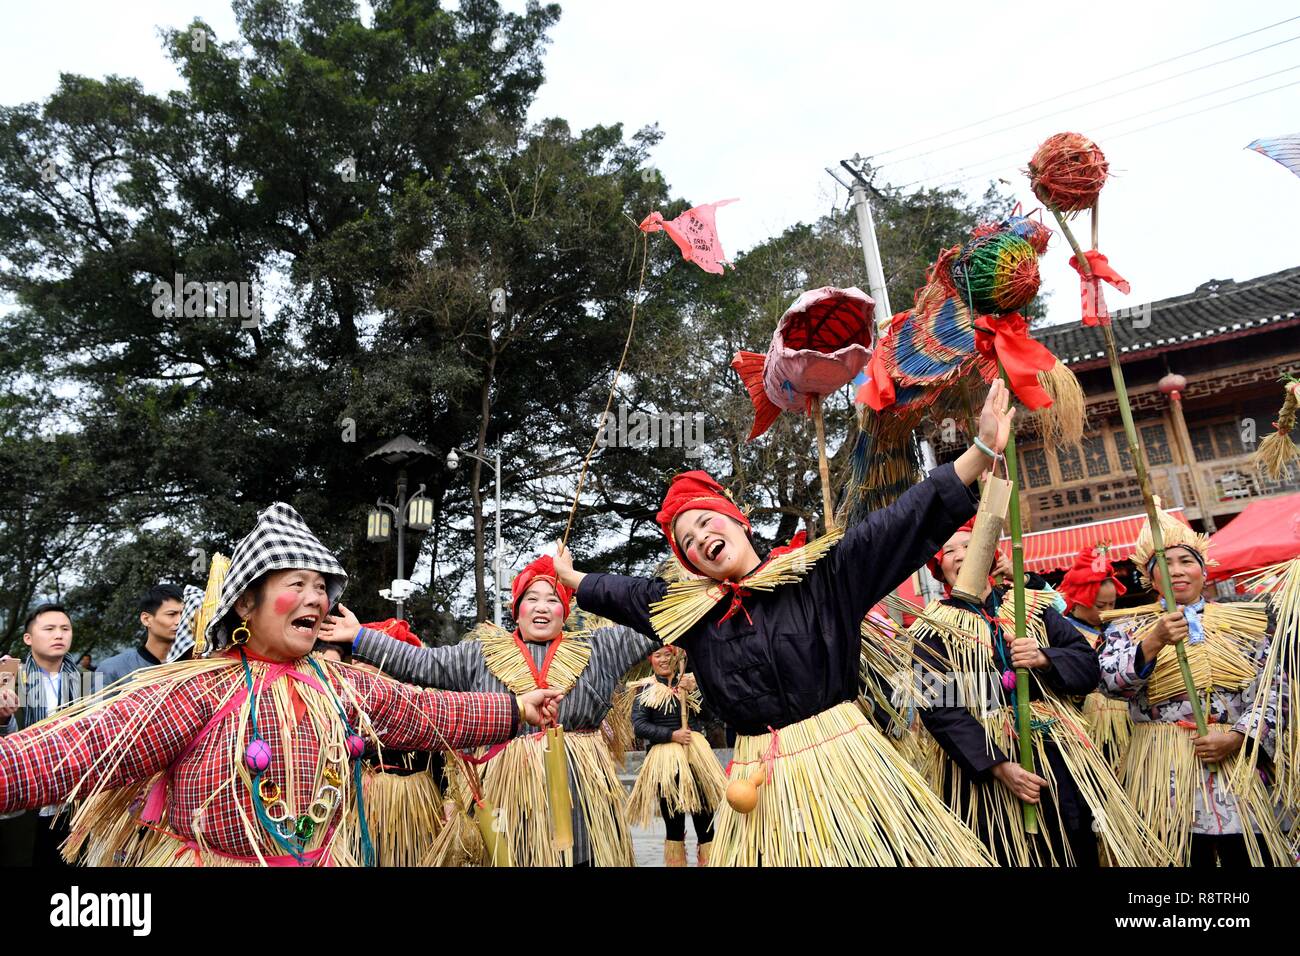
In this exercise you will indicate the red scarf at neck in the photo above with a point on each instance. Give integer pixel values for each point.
(539, 677)
(299, 705)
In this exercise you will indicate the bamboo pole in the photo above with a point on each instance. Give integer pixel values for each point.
(557, 785)
(686, 711)
(1023, 726)
(1144, 482)
(823, 466)
(498, 847)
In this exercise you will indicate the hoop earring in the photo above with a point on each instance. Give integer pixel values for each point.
(234, 637)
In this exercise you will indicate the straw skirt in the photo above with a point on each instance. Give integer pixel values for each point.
(1166, 781)
(688, 777)
(1109, 726)
(514, 781)
(838, 794)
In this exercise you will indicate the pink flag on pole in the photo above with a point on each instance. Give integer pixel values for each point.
(696, 234)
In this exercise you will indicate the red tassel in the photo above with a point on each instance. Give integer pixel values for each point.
(749, 366)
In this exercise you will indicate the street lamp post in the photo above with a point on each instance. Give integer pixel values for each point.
(416, 513)
(453, 461)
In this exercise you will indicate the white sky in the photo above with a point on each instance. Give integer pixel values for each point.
(756, 98)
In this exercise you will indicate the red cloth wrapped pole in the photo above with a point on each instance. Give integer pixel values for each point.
(1090, 292)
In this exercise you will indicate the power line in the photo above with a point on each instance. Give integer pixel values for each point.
(1077, 106)
(1249, 96)
(1131, 132)
(1125, 119)
(1088, 86)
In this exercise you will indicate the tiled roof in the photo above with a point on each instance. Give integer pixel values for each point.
(1220, 308)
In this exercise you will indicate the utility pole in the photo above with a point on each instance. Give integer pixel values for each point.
(867, 235)
(876, 280)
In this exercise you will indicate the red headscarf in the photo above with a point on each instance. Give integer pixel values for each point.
(1092, 568)
(692, 490)
(935, 564)
(395, 627)
(543, 569)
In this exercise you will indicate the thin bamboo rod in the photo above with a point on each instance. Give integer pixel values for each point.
(1144, 481)
(682, 693)
(823, 466)
(1023, 731)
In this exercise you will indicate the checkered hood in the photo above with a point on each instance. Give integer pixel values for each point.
(279, 541)
(193, 598)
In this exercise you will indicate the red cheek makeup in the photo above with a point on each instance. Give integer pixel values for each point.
(285, 601)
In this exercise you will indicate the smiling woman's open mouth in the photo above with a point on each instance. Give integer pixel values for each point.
(304, 624)
(715, 549)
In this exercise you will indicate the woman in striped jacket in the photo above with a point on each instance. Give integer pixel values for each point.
(587, 665)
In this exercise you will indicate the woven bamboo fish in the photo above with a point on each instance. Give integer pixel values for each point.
(822, 341)
(962, 322)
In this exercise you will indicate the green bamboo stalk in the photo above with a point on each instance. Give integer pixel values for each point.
(1144, 482)
(1023, 729)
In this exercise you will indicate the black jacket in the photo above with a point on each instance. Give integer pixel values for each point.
(657, 726)
(798, 656)
(1074, 670)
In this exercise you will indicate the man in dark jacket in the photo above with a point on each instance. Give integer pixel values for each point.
(48, 681)
(160, 613)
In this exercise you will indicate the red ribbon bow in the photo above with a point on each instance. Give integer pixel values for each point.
(738, 591)
(878, 390)
(1006, 339)
(1094, 303)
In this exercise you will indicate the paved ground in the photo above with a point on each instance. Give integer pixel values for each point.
(648, 842)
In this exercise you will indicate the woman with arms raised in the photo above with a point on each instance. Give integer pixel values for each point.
(775, 645)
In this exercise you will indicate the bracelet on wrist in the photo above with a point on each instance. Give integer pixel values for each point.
(986, 449)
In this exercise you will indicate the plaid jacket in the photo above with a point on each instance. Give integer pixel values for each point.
(143, 732)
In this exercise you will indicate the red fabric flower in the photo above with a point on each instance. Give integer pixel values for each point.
(1092, 568)
(1006, 339)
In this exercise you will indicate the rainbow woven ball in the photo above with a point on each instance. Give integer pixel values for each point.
(1067, 172)
(997, 273)
(1030, 230)
(258, 756)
